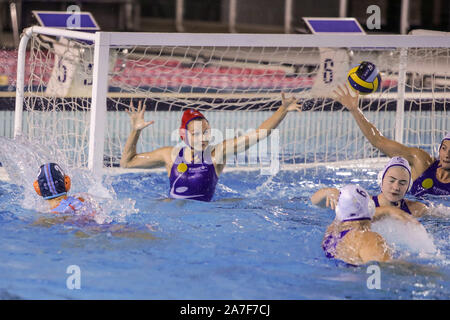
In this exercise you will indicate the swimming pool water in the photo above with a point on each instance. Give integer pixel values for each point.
(259, 239)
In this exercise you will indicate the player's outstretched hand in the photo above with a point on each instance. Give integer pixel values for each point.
(345, 97)
(332, 200)
(290, 104)
(137, 116)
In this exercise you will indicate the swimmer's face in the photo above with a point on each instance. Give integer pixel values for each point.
(395, 183)
(199, 134)
(444, 155)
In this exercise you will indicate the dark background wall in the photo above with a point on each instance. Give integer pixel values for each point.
(213, 15)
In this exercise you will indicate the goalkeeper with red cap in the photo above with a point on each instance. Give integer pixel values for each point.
(194, 170)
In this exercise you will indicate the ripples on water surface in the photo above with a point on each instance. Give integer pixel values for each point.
(259, 239)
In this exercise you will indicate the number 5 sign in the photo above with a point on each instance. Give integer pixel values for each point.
(64, 67)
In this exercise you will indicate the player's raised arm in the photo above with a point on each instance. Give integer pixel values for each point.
(130, 158)
(417, 158)
(242, 143)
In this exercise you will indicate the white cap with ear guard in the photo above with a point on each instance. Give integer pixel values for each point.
(354, 203)
(399, 162)
(447, 137)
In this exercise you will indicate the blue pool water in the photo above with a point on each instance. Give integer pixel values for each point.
(259, 239)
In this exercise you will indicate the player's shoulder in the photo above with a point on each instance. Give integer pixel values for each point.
(169, 151)
(168, 148)
(417, 208)
(412, 203)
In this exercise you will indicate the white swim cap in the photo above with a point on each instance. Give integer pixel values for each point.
(354, 204)
(396, 161)
(447, 137)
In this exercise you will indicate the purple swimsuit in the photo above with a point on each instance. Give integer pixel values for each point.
(330, 243)
(403, 205)
(427, 183)
(69, 205)
(196, 181)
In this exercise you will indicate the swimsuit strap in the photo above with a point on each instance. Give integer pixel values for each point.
(404, 206)
(343, 233)
(375, 199)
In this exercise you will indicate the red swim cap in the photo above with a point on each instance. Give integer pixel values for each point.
(188, 116)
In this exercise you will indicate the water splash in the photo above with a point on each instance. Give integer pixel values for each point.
(412, 238)
(266, 186)
(22, 158)
(440, 210)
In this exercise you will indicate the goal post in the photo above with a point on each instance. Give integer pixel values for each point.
(235, 79)
(98, 107)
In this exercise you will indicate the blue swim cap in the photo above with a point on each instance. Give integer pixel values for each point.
(51, 181)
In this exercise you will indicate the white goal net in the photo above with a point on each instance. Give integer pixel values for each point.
(237, 82)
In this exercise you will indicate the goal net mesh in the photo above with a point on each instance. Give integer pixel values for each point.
(237, 88)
